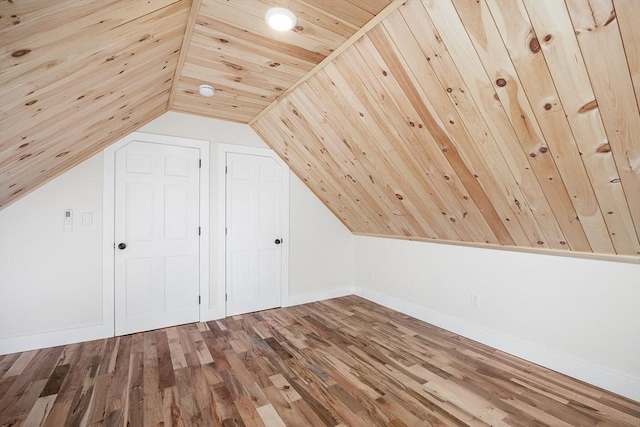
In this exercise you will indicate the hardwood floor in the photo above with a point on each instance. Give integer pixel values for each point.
(344, 361)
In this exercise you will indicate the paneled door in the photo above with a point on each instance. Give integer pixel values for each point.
(253, 233)
(156, 236)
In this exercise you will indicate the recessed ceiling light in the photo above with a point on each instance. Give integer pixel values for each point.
(206, 90)
(280, 18)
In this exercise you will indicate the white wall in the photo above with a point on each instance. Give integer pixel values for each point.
(317, 238)
(321, 251)
(49, 279)
(577, 316)
(51, 289)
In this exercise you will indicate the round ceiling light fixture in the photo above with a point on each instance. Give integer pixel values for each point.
(280, 18)
(206, 90)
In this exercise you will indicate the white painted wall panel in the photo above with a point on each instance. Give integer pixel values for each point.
(321, 251)
(50, 279)
(585, 312)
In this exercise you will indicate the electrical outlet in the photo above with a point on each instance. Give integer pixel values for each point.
(475, 300)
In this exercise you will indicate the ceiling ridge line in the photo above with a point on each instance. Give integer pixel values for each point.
(392, 7)
(186, 41)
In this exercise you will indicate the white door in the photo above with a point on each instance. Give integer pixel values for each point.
(156, 236)
(254, 233)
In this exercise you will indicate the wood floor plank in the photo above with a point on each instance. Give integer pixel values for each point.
(40, 411)
(152, 401)
(340, 362)
(20, 363)
(171, 407)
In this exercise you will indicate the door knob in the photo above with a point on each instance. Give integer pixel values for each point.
(121, 246)
(278, 241)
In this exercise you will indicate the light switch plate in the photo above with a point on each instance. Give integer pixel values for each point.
(87, 218)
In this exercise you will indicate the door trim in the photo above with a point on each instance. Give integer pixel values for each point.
(223, 149)
(108, 212)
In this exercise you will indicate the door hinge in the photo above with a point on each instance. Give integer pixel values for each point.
(199, 299)
(199, 163)
(226, 169)
(199, 231)
(225, 231)
(226, 297)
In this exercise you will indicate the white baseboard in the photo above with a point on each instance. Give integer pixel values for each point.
(218, 313)
(54, 338)
(89, 333)
(75, 335)
(288, 301)
(591, 373)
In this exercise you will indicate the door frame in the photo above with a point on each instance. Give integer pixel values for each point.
(223, 149)
(108, 212)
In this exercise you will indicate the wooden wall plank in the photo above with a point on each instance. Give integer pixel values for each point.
(367, 126)
(459, 217)
(184, 49)
(91, 82)
(278, 75)
(315, 175)
(482, 146)
(355, 36)
(234, 33)
(49, 65)
(99, 89)
(82, 98)
(598, 34)
(450, 31)
(447, 133)
(349, 11)
(472, 93)
(336, 147)
(558, 43)
(26, 23)
(484, 124)
(628, 16)
(487, 43)
(101, 134)
(520, 40)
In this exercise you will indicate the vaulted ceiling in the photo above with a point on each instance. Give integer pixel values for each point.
(504, 122)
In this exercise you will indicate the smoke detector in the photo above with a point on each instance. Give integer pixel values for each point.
(206, 90)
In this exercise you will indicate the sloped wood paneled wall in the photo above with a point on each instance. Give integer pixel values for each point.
(76, 76)
(505, 122)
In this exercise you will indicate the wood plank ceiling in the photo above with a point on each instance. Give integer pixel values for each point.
(507, 122)
(250, 64)
(75, 76)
